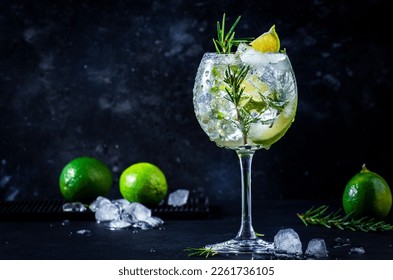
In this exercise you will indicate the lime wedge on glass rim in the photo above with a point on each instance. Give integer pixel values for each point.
(267, 42)
(260, 134)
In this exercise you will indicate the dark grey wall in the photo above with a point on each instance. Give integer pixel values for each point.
(114, 79)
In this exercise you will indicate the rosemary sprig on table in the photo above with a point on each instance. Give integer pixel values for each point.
(200, 252)
(225, 42)
(319, 216)
(206, 252)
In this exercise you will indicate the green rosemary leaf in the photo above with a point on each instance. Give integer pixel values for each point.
(225, 42)
(221, 30)
(231, 31)
(302, 219)
(319, 216)
(200, 252)
(216, 45)
(339, 226)
(234, 78)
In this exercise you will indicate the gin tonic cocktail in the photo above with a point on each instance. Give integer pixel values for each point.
(245, 101)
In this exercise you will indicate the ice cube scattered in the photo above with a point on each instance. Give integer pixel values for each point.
(107, 212)
(341, 242)
(154, 221)
(287, 242)
(357, 250)
(135, 212)
(120, 214)
(118, 224)
(121, 203)
(178, 197)
(100, 200)
(316, 248)
(142, 225)
(74, 207)
(86, 232)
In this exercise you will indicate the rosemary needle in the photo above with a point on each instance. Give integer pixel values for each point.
(225, 42)
(319, 216)
(200, 252)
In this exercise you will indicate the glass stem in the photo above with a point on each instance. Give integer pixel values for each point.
(246, 230)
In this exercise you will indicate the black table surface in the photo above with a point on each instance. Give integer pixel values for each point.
(57, 239)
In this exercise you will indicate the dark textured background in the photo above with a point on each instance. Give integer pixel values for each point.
(114, 79)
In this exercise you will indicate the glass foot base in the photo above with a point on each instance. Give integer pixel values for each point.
(247, 246)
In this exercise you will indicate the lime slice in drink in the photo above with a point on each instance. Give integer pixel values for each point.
(266, 135)
(251, 100)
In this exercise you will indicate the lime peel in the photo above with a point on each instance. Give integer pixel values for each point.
(84, 178)
(143, 182)
(267, 42)
(367, 194)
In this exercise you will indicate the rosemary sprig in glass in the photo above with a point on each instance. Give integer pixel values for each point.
(319, 216)
(234, 78)
(225, 42)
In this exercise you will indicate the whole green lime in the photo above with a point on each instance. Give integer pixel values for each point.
(84, 178)
(143, 182)
(367, 195)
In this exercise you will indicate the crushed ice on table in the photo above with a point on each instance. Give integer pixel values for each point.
(178, 197)
(287, 243)
(121, 203)
(107, 212)
(65, 222)
(121, 214)
(135, 212)
(154, 221)
(100, 200)
(341, 242)
(118, 213)
(74, 207)
(357, 250)
(86, 232)
(118, 224)
(316, 248)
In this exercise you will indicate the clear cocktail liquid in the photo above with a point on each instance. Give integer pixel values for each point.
(267, 106)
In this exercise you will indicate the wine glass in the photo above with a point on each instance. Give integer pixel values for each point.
(245, 101)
